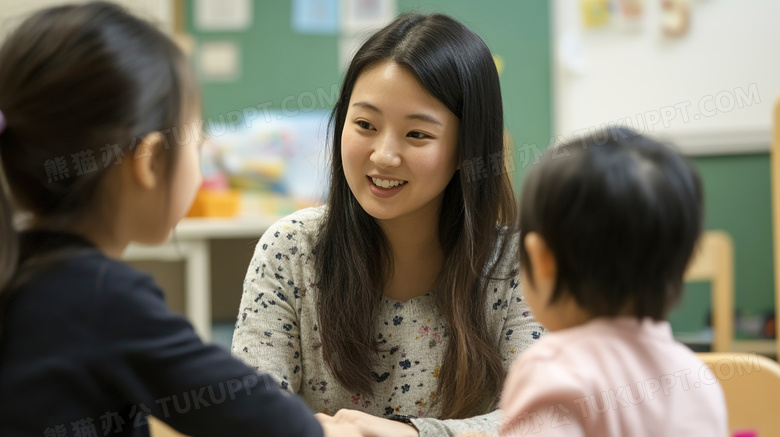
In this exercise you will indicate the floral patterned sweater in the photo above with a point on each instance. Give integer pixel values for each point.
(277, 333)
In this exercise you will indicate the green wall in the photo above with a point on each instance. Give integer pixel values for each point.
(737, 200)
(278, 63)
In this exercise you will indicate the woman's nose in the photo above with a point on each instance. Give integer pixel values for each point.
(386, 152)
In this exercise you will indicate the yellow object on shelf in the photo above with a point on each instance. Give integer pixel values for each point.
(216, 203)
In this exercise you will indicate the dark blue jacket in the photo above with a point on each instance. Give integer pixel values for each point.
(89, 348)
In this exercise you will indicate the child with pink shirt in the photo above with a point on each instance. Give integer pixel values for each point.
(608, 224)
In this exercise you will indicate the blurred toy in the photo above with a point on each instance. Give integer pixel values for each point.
(215, 203)
(281, 156)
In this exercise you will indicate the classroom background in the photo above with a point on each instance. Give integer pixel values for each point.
(269, 71)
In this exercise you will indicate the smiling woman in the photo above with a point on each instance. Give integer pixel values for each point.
(398, 145)
(400, 298)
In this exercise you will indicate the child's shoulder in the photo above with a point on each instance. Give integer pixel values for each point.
(569, 346)
(553, 347)
(107, 280)
(90, 272)
(88, 288)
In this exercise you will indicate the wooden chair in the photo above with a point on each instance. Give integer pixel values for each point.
(775, 165)
(159, 429)
(713, 261)
(751, 383)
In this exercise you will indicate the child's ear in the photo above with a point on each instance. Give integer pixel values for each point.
(543, 264)
(145, 165)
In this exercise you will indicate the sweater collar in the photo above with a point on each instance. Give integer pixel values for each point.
(38, 242)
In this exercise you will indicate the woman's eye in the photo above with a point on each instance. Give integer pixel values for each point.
(364, 124)
(417, 135)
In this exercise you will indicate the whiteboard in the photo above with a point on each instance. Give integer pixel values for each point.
(710, 91)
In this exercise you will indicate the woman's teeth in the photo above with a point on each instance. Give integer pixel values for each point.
(386, 184)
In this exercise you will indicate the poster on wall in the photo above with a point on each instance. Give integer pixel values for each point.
(315, 16)
(223, 15)
(219, 61)
(359, 20)
(365, 15)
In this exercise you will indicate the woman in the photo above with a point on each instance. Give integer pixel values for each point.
(399, 299)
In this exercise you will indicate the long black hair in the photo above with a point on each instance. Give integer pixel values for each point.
(456, 67)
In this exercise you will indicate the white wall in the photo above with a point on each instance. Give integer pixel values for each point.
(711, 91)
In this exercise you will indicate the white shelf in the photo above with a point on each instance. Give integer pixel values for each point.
(760, 346)
(190, 242)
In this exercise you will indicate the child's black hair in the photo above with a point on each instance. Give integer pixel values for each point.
(621, 213)
(79, 86)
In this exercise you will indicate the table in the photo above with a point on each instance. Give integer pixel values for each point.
(190, 243)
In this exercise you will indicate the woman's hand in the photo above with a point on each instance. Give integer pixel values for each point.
(368, 425)
(332, 428)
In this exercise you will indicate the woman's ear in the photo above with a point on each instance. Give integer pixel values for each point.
(145, 167)
(543, 264)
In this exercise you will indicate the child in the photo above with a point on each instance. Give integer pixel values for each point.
(608, 224)
(87, 345)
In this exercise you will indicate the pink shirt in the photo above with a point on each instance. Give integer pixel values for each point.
(612, 377)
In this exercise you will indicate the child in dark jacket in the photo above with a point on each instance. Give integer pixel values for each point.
(98, 145)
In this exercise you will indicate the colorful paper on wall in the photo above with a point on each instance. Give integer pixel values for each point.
(359, 15)
(219, 61)
(315, 16)
(223, 15)
(630, 15)
(595, 13)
